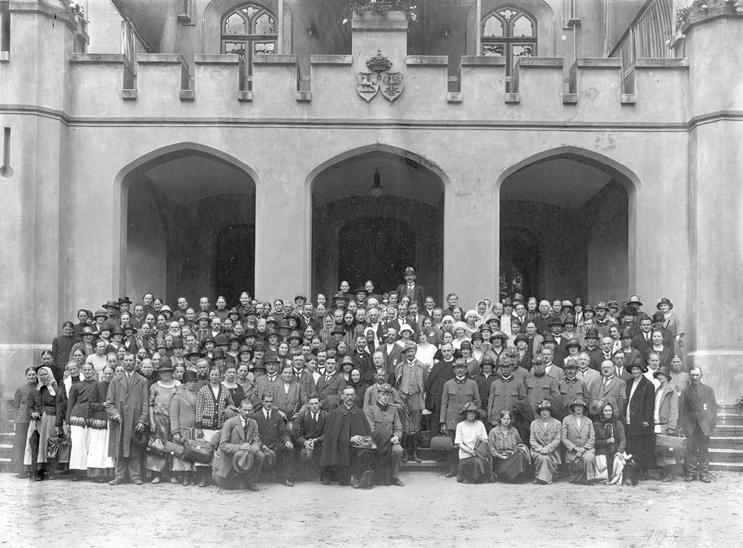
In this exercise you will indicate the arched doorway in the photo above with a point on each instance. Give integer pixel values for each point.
(565, 228)
(373, 214)
(188, 226)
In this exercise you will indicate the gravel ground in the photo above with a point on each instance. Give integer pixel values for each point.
(429, 511)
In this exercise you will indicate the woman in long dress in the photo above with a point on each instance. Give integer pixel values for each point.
(510, 455)
(161, 393)
(544, 442)
(100, 464)
(79, 400)
(22, 407)
(610, 438)
(212, 401)
(47, 412)
(475, 465)
(579, 439)
(183, 422)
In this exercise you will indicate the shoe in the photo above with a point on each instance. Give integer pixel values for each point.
(75, 478)
(115, 482)
(416, 458)
(137, 481)
(251, 487)
(667, 478)
(202, 481)
(38, 478)
(288, 483)
(355, 482)
(185, 482)
(324, 480)
(405, 456)
(704, 478)
(155, 480)
(689, 477)
(398, 482)
(173, 480)
(450, 474)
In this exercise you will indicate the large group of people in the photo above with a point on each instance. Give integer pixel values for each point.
(346, 389)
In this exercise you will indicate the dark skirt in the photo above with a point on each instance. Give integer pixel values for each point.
(642, 448)
(471, 470)
(512, 468)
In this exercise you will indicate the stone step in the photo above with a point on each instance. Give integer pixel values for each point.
(729, 419)
(423, 466)
(729, 430)
(725, 455)
(729, 442)
(726, 466)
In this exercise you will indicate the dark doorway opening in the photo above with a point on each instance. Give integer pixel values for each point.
(235, 259)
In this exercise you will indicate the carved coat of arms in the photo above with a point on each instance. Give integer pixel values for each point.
(368, 84)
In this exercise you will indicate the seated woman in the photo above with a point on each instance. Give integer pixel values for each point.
(610, 438)
(544, 442)
(475, 464)
(510, 455)
(579, 439)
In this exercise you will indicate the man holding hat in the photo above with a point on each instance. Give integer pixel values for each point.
(456, 393)
(410, 289)
(276, 445)
(410, 383)
(238, 460)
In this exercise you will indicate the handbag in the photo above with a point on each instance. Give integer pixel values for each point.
(441, 443)
(52, 447)
(602, 468)
(198, 450)
(673, 443)
(164, 448)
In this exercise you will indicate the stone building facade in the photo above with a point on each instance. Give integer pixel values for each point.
(560, 147)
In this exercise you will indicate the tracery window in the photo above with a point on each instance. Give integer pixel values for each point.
(509, 32)
(248, 30)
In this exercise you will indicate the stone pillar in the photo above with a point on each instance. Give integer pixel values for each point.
(31, 230)
(716, 164)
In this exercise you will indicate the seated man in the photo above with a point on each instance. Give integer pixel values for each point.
(238, 459)
(276, 445)
(347, 447)
(386, 428)
(309, 429)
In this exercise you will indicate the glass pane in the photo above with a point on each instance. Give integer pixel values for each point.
(250, 11)
(494, 49)
(492, 27)
(264, 24)
(264, 47)
(235, 24)
(523, 27)
(234, 47)
(522, 50)
(507, 14)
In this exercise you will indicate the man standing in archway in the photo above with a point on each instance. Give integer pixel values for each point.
(411, 289)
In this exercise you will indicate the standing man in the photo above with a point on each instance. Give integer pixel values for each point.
(309, 430)
(441, 372)
(455, 394)
(411, 289)
(697, 420)
(275, 443)
(127, 404)
(410, 383)
(639, 418)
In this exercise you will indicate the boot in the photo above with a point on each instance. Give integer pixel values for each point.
(202, 477)
(405, 445)
(367, 480)
(414, 447)
(704, 470)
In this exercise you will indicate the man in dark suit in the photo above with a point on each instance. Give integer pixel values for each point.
(644, 339)
(411, 289)
(127, 404)
(697, 420)
(309, 431)
(276, 445)
(362, 360)
(392, 352)
(330, 385)
(639, 420)
(238, 459)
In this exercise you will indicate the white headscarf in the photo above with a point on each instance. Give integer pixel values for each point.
(49, 386)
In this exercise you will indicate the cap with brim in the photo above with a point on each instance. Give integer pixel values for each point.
(100, 313)
(405, 327)
(499, 335)
(110, 304)
(612, 304)
(662, 371)
(556, 321)
(165, 308)
(476, 336)
(601, 305)
(410, 345)
(544, 404)
(664, 300)
(189, 375)
(460, 363)
(471, 406)
(465, 344)
(579, 401)
(124, 300)
(164, 365)
(635, 300)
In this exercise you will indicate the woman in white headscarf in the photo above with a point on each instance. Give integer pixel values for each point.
(47, 414)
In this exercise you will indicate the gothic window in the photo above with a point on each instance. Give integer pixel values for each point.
(509, 32)
(248, 30)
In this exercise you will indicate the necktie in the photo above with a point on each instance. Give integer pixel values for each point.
(245, 431)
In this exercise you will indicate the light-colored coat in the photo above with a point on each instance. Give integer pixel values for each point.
(231, 437)
(668, 412)
(574, 437)
(128, 401)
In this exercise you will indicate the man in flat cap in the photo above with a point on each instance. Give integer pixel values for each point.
(386, 429)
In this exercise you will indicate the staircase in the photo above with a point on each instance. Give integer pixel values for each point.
(726, 446)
